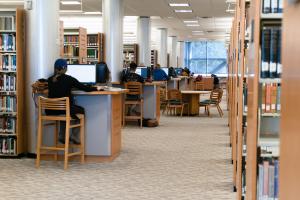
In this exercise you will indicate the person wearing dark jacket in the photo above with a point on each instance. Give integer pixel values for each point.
(61, 85)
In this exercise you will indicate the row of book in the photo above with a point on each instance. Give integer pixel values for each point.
(71, 39)
(272, 6)
(7, 42)
(70, 51)
(92, 53)
(271, 66)
(92, 40)
(7, 145)
(8, 104)
(7, 125)
(7, 23)
(271, 98)
(8, 62)
(7, 82)
(267, 187)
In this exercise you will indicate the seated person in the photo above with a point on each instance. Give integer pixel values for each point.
(159, 74)
(60, 85)
(216, 81)
(131, 76)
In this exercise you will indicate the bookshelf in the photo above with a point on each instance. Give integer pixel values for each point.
(130, 53)
(75, 45)
(263, 99)
(154, 56)
(95, 48)
(12, 135)
(289, 174)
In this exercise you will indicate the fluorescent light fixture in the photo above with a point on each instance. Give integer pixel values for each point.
(192, 25)
(198, 31)
(12, 2)
(179, 4)
(92, 13)
(183, 11)
(71, 11)
(70, 2)
(190, 21)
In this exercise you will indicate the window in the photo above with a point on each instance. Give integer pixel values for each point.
(206, 57)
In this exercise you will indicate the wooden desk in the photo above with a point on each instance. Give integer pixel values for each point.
(192, 97)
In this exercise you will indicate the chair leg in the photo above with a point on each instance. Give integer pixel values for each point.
(82, 140)
(39, 143)
(220, 111)
(208, 112)
(56, 139)
(182, 110)
(124, 110)
(67, 140)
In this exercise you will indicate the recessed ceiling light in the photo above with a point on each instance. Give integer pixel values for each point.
(92, 13)
(179, 4)
(70, 2)
(183, 11)
(190, 21)
(192, 25)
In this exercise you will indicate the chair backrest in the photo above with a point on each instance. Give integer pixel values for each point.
(174, 94)
(135, 88)
(62, 104)
(199, 85)
(163, 95)
(216, 95)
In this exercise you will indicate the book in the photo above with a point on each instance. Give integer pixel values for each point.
(273, 52)
(265, 52)
(278, 103)
(263, 98)
(276, 186)
(271, 181)
(266, 6)
(280, 6)
(274, 6)
(279, 65)
(260, 184)
(273, 98)
(265, 179)
(268, 98)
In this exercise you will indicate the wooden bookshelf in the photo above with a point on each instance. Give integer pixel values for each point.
(12, 135)
(289, 174)
(154, 56)
(130, 53)
(95, 48)
(254, 75)
(75, 45)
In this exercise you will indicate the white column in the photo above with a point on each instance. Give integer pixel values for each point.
(173, 53)
(181, 46)
(42, 49)
(112, 12)
(163, 47)
(143, 38)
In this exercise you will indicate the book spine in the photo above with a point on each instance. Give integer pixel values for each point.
(280, 6)
(260, 181)
(273, 53)
(278, 103)
(266, 6)
(273, 98)
(279, 65)
(266, 179)
(265, 52)
(271, 181)
(263, 98)
(268, 98)
(274, 5)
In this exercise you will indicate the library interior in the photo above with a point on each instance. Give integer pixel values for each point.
(149, 99)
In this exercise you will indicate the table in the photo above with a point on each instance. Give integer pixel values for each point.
(192, 97)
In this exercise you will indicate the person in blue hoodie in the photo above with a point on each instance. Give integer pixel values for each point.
(159, 74)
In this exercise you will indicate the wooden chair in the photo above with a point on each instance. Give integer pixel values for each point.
(163, 99)
(175, 101)
(199, 85)
(214, 100)
(135, 90)
(58, 104)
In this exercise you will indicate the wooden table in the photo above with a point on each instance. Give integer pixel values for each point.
(192, 97)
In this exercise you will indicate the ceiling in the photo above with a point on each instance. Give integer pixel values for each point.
(211, 16)
(214, 22)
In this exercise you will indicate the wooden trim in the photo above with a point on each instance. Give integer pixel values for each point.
(88, 158)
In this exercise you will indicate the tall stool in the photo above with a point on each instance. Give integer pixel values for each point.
(135, 89)
(58, 104)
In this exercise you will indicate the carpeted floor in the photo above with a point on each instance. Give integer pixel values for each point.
(182, 159)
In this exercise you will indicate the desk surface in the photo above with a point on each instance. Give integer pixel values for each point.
(194, 92)
(112, 91)
(155, 83)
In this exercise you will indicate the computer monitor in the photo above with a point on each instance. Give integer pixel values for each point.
(142, 71)
(83, 73)
(166, 69)
(102, 73)
(178, 71)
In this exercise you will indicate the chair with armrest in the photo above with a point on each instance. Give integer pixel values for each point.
(133, 98)
(58, 104)
(175, 101)
(214, 100)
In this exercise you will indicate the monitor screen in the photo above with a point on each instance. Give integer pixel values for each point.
(138, 71)
(178, 71)
(166, 69)
(83, 73)
(142, 71)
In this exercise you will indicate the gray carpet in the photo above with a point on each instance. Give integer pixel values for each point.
(182, 159)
